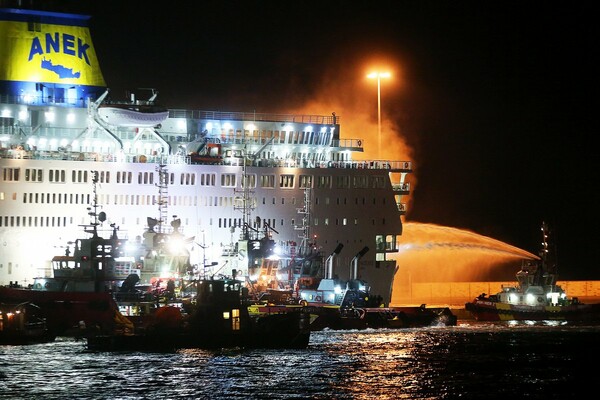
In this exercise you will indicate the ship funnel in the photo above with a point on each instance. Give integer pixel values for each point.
(354, 266)
(329, 261)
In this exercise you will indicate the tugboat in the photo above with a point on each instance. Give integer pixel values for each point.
(22, 324)
(281, 284)
(79, 292)
(536, 296)
(338, 304)
(216, 317)
(199, 310)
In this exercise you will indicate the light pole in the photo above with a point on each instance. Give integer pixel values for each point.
(378, 75)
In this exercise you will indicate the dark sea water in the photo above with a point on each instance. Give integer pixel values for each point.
(470, 361)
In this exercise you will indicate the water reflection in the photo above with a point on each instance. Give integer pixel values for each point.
(471, 360)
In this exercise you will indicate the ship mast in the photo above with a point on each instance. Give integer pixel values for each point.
(96, 218)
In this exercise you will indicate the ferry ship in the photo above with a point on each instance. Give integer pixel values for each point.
(219, 173)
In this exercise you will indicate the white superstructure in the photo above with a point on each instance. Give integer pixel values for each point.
(293, 172)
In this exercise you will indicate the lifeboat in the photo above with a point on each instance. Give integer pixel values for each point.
(132, 115)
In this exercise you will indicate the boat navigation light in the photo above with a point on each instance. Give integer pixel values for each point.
(512, 298)
(530, 298)
(175, 245)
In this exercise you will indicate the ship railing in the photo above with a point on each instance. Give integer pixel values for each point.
(392, 166)
(253, 116)
(355, 144)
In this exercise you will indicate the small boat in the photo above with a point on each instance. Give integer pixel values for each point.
(22, 324)
(79, 292)
(216, 316)
(536, 296)
(133, 113)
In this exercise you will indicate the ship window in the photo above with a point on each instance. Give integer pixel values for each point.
(250, 180)
(33, 175)
(207, 179)
(104, 177)
(10, 174)
(286, 181)
(342, 182)
(228, 180)
(306, 181)
(124, 176)
(146, 178)
(326, 221)
(267, 181)
(235, 319)
(79, 176)
(324, 181)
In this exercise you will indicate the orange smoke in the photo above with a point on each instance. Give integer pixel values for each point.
(429, 252)
(353, 97)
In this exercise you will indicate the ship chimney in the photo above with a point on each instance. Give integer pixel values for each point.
(354, 264)
(329, 261)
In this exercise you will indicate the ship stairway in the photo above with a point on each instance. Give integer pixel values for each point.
(163, 196)
(304, 226)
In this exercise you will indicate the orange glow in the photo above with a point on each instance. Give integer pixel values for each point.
(434, 253)
(374, 75)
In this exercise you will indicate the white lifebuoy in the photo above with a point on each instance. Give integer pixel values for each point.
(318, 298)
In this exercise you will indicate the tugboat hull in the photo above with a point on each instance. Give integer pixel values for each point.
(491, 311)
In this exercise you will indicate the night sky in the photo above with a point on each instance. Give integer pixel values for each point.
(491, 100)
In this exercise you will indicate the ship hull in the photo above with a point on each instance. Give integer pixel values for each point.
(66, 312)
(495, 311)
